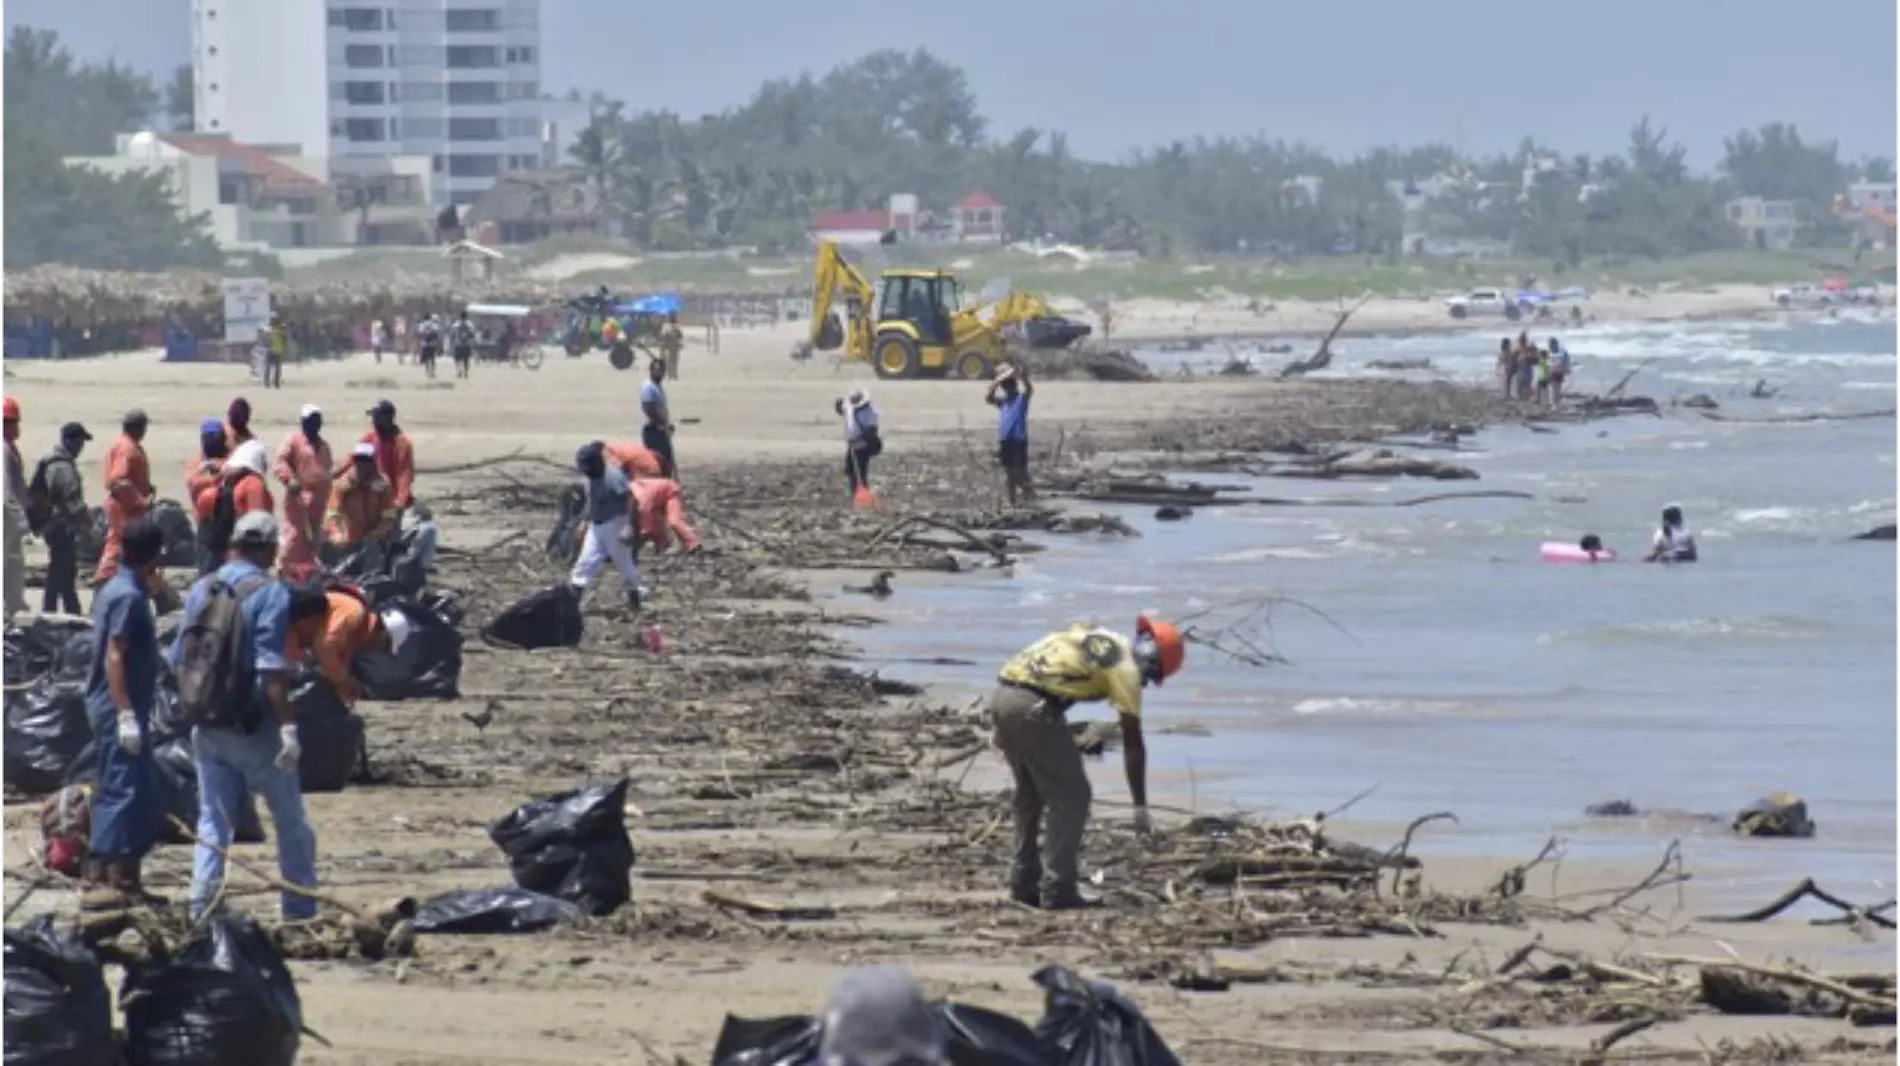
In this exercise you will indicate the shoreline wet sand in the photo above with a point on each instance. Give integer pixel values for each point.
(770, 771)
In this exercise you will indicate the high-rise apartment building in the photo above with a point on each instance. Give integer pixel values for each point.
(456, 80)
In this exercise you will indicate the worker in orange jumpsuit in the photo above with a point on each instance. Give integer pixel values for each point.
(129, 491)
(659, 514)
(303, 469)
(395, 456)
(331, 626)
(362, 504)
(634, 460)
(202, 477)
(237, 424)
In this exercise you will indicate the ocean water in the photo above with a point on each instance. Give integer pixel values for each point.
(1456, 671)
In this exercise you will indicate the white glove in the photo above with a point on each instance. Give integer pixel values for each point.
(1144, 822)
(129, 740)
(288, 750)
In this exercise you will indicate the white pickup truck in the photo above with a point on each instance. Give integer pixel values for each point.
(1805, 296)
(1483, 303)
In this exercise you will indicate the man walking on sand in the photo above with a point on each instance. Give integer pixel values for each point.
(57, 476)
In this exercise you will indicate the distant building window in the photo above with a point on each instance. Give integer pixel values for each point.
(523, 127)
(227, 190)
(363, 92)
(358, 56)
(474, 92)
(476, 21)
(523, 90)
(362, 19)
(474, 166)
(363, 129)
(336, 16)
(473, 56)
(527, 55)
(417, 92)
(474, 129)
(424, 128)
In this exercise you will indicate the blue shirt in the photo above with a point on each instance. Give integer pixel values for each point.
(1012, 416)
(121, 609)
(608, 496)
(654, 397)
(266, 624)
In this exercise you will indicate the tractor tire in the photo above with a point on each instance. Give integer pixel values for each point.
(896, 356)
(972, 365)
(622, 356)
(575, 343)
(1458, 311)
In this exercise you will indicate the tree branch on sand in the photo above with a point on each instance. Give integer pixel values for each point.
(1242, 629)
(1322, 356)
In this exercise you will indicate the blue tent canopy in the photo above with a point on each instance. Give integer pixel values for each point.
(666, 303)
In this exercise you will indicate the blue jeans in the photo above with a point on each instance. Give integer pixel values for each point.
(231, 764)
(125, 804)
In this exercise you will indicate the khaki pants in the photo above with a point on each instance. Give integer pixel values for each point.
(16, 559)
(1050, 780)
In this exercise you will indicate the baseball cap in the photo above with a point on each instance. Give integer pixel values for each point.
(255, 529)
(365, 450)
(74, 431)
(309, 410)
(136, 414)
(210, 426)
(877, 1016)
(384, 407)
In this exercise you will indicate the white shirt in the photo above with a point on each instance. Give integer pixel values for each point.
(652, 394)
(1676, 544)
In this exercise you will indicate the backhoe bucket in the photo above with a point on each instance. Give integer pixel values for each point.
(831, 334)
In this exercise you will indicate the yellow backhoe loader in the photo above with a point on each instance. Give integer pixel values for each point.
(913, 322)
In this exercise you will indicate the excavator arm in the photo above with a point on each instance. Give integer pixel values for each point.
(833, 275)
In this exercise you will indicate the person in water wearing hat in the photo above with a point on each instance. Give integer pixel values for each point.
(862, 443)
(66, 517)
(1034, 692)
(303, 467)
(1010, 394)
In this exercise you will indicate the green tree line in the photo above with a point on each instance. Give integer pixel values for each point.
(895, 121)
(57, 106)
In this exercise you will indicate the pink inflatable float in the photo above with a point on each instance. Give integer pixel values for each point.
(1555, 551)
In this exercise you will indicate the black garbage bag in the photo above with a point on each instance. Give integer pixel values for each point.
(91, 538)
(429, 665)
(46, 730)
(58, 1010)
(368, 559)
(494, 910)
(788, 1041)
(562, 548)
(1089, 1023)
(573, 846)
(181, 536)
(443, 605)
(225, 999)
(978, 1037)
(331, 734)
(175, 777)
(43, 646)
(550, 618)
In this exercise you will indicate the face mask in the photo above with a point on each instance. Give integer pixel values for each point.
(1149, 658)
(313, 426)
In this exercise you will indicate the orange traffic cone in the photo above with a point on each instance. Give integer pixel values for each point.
(863, 499)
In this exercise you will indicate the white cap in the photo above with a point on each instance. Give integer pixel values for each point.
(254, 529)
(858, 398)
(877, 1017)
(396, 624)
(249, 456)
(365, 450)
(308, 410)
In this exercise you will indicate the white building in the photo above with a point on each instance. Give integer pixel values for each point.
(458, 81)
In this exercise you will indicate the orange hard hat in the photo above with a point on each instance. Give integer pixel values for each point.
(13, 409)
(1169, 643)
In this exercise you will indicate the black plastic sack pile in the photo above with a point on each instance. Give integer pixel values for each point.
(1084, 1023)
(46, 728)
(331, 734)
(429, 665)
(91, 539)
(551, 618)
(572, 846)
(58, 1011)
(494, 910)
(225, 999)
(181, 536)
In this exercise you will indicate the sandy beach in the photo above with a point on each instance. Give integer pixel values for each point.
(766, 767)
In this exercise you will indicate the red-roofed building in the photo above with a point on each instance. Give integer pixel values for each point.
(259, 196)
(978, 217)
(868, 227)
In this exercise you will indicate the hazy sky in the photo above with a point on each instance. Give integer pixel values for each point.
(1122, 74)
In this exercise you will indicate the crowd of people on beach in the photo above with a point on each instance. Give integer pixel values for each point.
(1528, 372)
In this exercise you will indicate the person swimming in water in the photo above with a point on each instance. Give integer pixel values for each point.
(1673, 543)
(1592, 545)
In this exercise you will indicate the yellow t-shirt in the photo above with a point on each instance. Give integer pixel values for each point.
(1080, 663)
